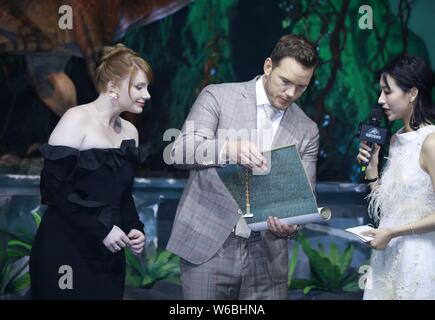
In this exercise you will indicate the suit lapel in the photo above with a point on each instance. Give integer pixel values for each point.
(248, 105)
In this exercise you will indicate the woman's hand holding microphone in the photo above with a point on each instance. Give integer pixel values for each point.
(367, 155)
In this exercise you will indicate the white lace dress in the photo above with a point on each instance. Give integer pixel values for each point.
(405, 269)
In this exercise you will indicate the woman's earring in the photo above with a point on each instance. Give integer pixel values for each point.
(413, 124)
(114, 95)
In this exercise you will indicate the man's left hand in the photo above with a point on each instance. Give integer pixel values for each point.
(281, 229)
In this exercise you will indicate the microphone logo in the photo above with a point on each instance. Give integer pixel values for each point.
(374, 133)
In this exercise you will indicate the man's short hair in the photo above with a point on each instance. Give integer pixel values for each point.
(296, 47)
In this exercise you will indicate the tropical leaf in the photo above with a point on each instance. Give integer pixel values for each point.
(301, 283)
(5, 276)
(345, 260)
(150, 267)
(352, 287)
(135, 264)
(147, 281)
(293, 261)
(329, 272)
(308, 289)
(19, 284)
(37, 218)
(18, 248)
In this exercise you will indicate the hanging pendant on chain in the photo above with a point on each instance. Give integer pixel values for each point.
(248, 213)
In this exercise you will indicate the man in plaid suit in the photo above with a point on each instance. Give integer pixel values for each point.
(219, 259)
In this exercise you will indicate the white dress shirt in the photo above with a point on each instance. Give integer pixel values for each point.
(262, 102)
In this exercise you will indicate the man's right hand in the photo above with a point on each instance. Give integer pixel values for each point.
(116, 240)
(244, 153)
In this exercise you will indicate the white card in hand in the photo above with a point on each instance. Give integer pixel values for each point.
(358, 230)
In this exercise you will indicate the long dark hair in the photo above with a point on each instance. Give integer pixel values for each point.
(409, 72)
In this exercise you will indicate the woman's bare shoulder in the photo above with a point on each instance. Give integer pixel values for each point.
(428, 146)
(130, 131)
(71, 128)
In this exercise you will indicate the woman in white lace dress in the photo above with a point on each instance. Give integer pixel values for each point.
(402, 265)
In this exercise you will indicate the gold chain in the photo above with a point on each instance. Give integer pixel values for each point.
(248, 204)
(248, 213)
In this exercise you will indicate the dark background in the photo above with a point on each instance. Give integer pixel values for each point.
(227, 40)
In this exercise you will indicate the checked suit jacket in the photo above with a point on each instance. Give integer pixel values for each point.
(207, 213)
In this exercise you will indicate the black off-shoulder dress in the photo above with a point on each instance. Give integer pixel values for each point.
(87, 192)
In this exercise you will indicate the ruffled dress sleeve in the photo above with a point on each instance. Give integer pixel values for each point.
(128, 207)
(58, 190)
(130, 214)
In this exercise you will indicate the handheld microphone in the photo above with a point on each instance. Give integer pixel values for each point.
(372, 132)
